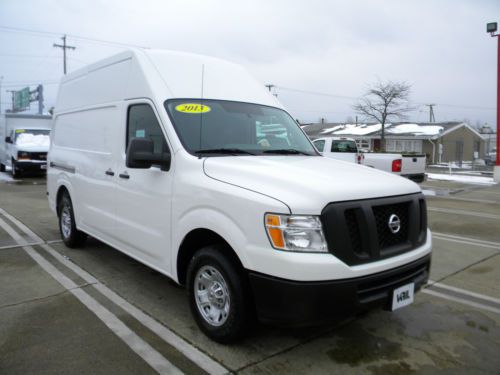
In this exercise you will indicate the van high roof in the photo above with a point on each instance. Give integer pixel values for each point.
(163, 75)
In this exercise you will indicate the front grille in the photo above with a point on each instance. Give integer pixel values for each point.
(358, 232)
(38, 155)
(382, 214)
(354, 232)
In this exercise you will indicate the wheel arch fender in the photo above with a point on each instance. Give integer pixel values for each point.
(63, 185)
(203, 227)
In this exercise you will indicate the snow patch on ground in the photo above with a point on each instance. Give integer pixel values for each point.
(461, 178)
(6, 177)
(429, 192)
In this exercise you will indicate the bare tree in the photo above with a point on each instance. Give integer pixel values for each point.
(383, 102)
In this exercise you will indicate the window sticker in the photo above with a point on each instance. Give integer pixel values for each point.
(141, 133)
(20, 131)
(192, 108)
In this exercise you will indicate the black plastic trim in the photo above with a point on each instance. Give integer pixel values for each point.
(288, 303)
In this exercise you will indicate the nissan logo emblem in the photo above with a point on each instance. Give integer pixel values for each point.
(394, 223)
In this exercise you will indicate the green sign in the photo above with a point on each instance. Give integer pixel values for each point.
(22, 99)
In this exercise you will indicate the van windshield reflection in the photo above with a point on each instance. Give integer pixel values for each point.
(218, 127)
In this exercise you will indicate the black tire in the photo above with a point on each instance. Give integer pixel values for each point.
(2, 167)
(16, 173)
(70, 235)
(240, 316)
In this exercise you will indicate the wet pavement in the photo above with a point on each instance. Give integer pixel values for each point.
(95, 310)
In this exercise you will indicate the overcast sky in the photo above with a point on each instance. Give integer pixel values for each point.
(333, 47)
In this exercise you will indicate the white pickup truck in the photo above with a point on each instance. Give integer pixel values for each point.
(339, 148)
(405, 165)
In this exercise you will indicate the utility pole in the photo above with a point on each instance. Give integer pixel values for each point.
(39, 97)
(270, 86)
(431, 112)
(64, 48)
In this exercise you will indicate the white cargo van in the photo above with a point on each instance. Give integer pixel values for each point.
(24, 142)
(190, 166)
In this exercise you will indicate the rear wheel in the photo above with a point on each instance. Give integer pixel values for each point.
(219, 296)
(71, 236)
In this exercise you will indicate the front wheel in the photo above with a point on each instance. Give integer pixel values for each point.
(16, 173)
(219, 296)
(71, 236)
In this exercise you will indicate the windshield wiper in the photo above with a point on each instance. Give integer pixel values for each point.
(287, 151)
(224, 151)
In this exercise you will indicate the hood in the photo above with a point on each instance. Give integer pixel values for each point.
(307, 183)
(32, 148)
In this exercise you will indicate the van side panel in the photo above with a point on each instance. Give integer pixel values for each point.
(83, 146)
(102, 84)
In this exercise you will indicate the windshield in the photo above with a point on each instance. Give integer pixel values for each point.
(32, 137)
(225, 127)
(344, 146)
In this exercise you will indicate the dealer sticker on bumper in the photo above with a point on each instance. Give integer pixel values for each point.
(402, 296)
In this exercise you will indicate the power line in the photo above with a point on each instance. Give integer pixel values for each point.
(355, 98)
(30, 83)
(316, 93)
(49, 34)
(39, 57)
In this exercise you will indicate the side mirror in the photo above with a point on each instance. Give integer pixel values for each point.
(140, 155)
(8, 140)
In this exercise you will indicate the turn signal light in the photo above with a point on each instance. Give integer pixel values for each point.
(273, 224)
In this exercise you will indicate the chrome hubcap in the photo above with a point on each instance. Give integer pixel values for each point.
(66, 222)
(212, 295)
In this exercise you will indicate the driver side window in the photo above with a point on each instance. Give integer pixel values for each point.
(142, 123)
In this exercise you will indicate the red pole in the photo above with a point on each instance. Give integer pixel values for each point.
(498, 103)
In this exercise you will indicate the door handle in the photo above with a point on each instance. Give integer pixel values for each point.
(124, 175)
(109, 172)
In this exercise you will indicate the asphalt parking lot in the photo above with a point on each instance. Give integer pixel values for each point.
(94, 310)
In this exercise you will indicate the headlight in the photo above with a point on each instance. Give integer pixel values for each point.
(295, 233)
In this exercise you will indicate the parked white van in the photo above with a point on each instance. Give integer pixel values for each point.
(24, 142)
(189, 165)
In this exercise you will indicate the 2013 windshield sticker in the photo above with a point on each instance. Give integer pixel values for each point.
(193, 108)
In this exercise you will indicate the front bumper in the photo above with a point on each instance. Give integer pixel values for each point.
(31, 165)
(283, 302)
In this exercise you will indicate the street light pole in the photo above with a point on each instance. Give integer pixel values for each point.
(498, 102)
(492, 29)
